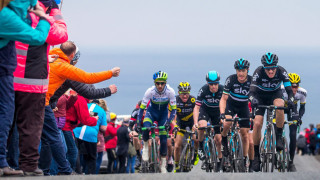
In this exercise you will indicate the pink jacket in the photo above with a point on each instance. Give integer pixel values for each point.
(32, 70)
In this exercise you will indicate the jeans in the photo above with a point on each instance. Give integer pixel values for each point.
(13, 148)
(54, 166)
(72, 152)
(131, 163)
(99, 161)
(52, 145)
(6, 114)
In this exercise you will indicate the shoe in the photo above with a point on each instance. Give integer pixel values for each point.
(201, 154)
(145, 151)
(292, 167)
(37, 172)
(163, 165)
(204, 165)
(195, 160)
(256, 164)
(169, 167)
(67, 174)
(279, 143)
(218, 167)
(250, 166)
(1, 172)
(8, 171)
(224, 148)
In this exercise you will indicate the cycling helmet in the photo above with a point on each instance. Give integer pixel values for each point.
(269, 59)
(160, 76)
(241, 64)
(184, 86)
(113, 116)
(213, 77)
(294, 78)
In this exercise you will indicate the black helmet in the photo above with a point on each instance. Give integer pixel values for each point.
(241, 64)
(269, 59)
(213, 77)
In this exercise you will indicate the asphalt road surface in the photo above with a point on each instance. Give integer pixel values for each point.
(307, 168)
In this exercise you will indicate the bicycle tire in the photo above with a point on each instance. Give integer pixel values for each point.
(183, 158)
(215, 158)
(262, 153)
(273, 146)
(154, 159)
(212, 154)
(238, 161)
(287, 154)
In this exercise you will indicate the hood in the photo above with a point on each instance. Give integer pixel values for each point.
(61, 54)
(20, 7)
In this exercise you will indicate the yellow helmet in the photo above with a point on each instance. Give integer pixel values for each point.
(294, 78)
(113, 116)
(184, 86)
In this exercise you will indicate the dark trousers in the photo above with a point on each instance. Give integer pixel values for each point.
(52, 145)
(72, 152)
(99, 161)
(6, 114)
(293, 140)
(29, 115)
(111, 159)
(13, 148)
(122, 163)
(89, 152)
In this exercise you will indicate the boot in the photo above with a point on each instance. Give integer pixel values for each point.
(8, 171)
(292, 167)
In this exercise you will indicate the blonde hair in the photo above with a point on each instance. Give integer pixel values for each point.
(103, 104)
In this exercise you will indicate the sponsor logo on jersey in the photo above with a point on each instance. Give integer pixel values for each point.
(241, 91)
(270, 85)
(255, 77)
(193, 100)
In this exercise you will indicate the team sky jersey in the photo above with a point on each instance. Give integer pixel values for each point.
(159, 100)
(209, 100)
(134, 114)
(185, 110)
(301, 95)
(237, 91)
(261, 83)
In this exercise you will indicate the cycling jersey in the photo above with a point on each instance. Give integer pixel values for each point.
(238, 92)
(208, 100)
(266, 89)
(261, 83)
(185, 110)
(159, 101)
(301, 96)
(209, 105)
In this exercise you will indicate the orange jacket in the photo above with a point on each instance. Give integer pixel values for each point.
(62, 70)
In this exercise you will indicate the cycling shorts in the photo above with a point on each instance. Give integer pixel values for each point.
(212, 116)
(183, 125)
(267, 100)
(241, 111)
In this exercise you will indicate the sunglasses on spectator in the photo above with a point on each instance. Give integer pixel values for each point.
(160, 83)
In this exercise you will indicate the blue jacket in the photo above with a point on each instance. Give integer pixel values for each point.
(15, 26)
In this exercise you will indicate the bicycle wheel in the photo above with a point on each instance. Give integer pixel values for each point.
(183, 158)
(212, 156)
(215, 157)
(207, 155)
(155, 158)
(238, 154)
(263, 153)
(271, 148)
(287, 155)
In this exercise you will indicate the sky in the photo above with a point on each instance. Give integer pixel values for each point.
(102, 24)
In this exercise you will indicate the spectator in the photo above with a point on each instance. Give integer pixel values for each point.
(111, 142)
(132, 154)
(313, 143)
(60, 70)
(123, 135)
(301, 144)
(87, 137)
(318, 139)
(77, 114)
(14, 27)
(100, 146)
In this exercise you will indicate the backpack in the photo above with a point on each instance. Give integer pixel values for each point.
(132, 150)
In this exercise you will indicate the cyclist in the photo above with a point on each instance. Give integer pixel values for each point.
(300, 94)
(234, 101)
(184, 119)
(159, 96)
(207, 109)
(265, 90)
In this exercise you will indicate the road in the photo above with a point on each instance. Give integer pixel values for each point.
(308, 168)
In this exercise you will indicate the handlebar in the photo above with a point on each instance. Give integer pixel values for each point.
(272, 107)
(237, 119)
(153, 127)
(208, 127)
